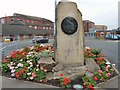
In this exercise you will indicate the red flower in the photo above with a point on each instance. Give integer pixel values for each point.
(22, 71)
(91, 55)
(61, 75)
(33, 75)
(13, 56)
(101, 55)
(95, 78)
(5, 61)
(100, 59)
(84, 86)
(91, 87)
(67, 80)
(64, 83)
(17, 75)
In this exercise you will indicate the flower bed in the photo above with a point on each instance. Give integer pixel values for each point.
(23, 64)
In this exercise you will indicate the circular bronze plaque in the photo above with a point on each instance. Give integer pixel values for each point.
(69, 25)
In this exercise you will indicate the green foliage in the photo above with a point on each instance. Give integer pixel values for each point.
(89, 81)
(46, 53)
(96, 51)
(5, 68)
(40, 75)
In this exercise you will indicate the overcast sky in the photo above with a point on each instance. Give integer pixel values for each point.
(104, 12)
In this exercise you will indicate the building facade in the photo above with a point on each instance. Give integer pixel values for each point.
(100, 27)
(24, 26)
(88, 25)
(30, 21)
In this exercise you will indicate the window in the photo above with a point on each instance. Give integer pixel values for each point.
(43, 27)
(2, 21)
(35, 27)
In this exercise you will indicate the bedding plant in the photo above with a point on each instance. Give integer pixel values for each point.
(23, 64)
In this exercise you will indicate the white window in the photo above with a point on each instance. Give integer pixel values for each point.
(35, 27)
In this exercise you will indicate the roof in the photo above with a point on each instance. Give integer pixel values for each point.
(21, 30)
(31, 17)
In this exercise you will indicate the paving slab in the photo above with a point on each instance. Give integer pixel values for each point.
(14, 83)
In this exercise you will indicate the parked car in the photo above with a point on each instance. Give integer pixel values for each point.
(118, 36)
(112, 37)
(6, 39)
(40, 39)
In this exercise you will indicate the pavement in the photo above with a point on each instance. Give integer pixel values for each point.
(14, 83)
(111, 84)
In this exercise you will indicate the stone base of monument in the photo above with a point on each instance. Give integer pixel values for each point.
(76, 73)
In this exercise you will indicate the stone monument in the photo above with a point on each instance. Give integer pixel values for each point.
(69, 35)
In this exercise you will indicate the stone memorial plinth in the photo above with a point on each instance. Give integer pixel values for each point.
(69, 35)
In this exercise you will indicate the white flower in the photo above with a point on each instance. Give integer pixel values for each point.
(29, 67)
(29, 73)
(37, 65)
(52, 51)
(41, 44)
(37, 69)
(16, 67)
(11, 63)
(113, 65)
(11, 67)
(21, 59)
(13, 74)
(30, 63)
(31, 78)
(32, 47)
(87, 47)
(30, 60)
(20, 65)
(12, 71)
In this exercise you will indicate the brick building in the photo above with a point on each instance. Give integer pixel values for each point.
(88, 25)
(30, 21)
(100, 27)
(25, 26)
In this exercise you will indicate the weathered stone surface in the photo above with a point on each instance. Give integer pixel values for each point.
(72, 73)
(58, 67)
(47, 63)
(91, 65)
(50, 75)
(89, 74)
(69, 48)
(47, 60)
(111, 83)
